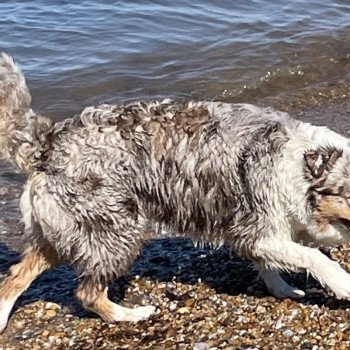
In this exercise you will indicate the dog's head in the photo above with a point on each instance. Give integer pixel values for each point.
(328, 172)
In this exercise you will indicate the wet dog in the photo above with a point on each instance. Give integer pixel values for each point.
(255, 179)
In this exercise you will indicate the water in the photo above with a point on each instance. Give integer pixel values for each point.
(79, 53)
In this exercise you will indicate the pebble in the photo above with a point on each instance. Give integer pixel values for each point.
(201, 346)
(183, 310)
(260, 309)
(288, 333)
(50, 313)
(172, 306)
(279, 325)
(45, 333)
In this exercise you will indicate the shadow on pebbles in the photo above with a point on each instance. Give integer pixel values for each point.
(205, 300)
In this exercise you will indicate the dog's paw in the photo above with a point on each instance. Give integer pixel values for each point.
(286, 291)
(122, 314)
(340, 291)
(277, 286)
(5, 310)
(3, 325)
(336, 279)
(142, 313)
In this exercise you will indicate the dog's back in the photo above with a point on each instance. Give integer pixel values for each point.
(186, 165)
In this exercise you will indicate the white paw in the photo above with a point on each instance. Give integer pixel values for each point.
(123, 314)
(341, 291)
(142, 313)
(3, 324)
(277, 286)
(344, 294)
(337, 280)
(286, 291)
(5, 310)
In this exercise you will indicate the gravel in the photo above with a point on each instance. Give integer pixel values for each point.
(206, 300)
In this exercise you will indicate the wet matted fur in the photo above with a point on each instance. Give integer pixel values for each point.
(266, 185)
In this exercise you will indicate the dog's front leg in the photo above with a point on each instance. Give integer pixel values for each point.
(288, 255)
(34, 262)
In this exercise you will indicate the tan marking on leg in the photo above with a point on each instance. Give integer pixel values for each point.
(33, 263)
(94, 298)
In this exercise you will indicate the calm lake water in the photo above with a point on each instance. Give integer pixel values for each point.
(79, 53)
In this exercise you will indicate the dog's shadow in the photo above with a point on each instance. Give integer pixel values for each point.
(165, 260)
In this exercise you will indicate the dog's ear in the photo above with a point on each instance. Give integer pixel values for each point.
(318, 163)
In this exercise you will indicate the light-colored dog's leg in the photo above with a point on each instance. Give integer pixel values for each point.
(93, 296)
(288, 255)
(277, 286)
(33, 263)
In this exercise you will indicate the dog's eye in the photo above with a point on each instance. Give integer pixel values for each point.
(329, 192)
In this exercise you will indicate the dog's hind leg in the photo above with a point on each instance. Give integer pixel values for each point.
(100, 231)
(277, 286)
(93, 296)
(291, 256)
(33, 263)
(106, 256)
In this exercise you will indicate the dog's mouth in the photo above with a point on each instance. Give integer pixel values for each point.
(345, 222)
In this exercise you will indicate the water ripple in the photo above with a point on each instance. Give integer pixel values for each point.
(79, 52)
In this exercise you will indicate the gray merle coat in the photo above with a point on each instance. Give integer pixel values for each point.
(254, 179)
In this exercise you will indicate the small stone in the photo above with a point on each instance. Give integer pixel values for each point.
(59, 334)
(201, 346)
(260, 309)
(4, 191)
(50, 313)
(45, 333)
(172, 306)
(183, 310)
(19, 324)
(279, 325)
(288, 333)
(190, 302)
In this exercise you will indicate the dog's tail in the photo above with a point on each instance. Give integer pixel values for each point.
(24, 138)
(23, 134)
(14, 94)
